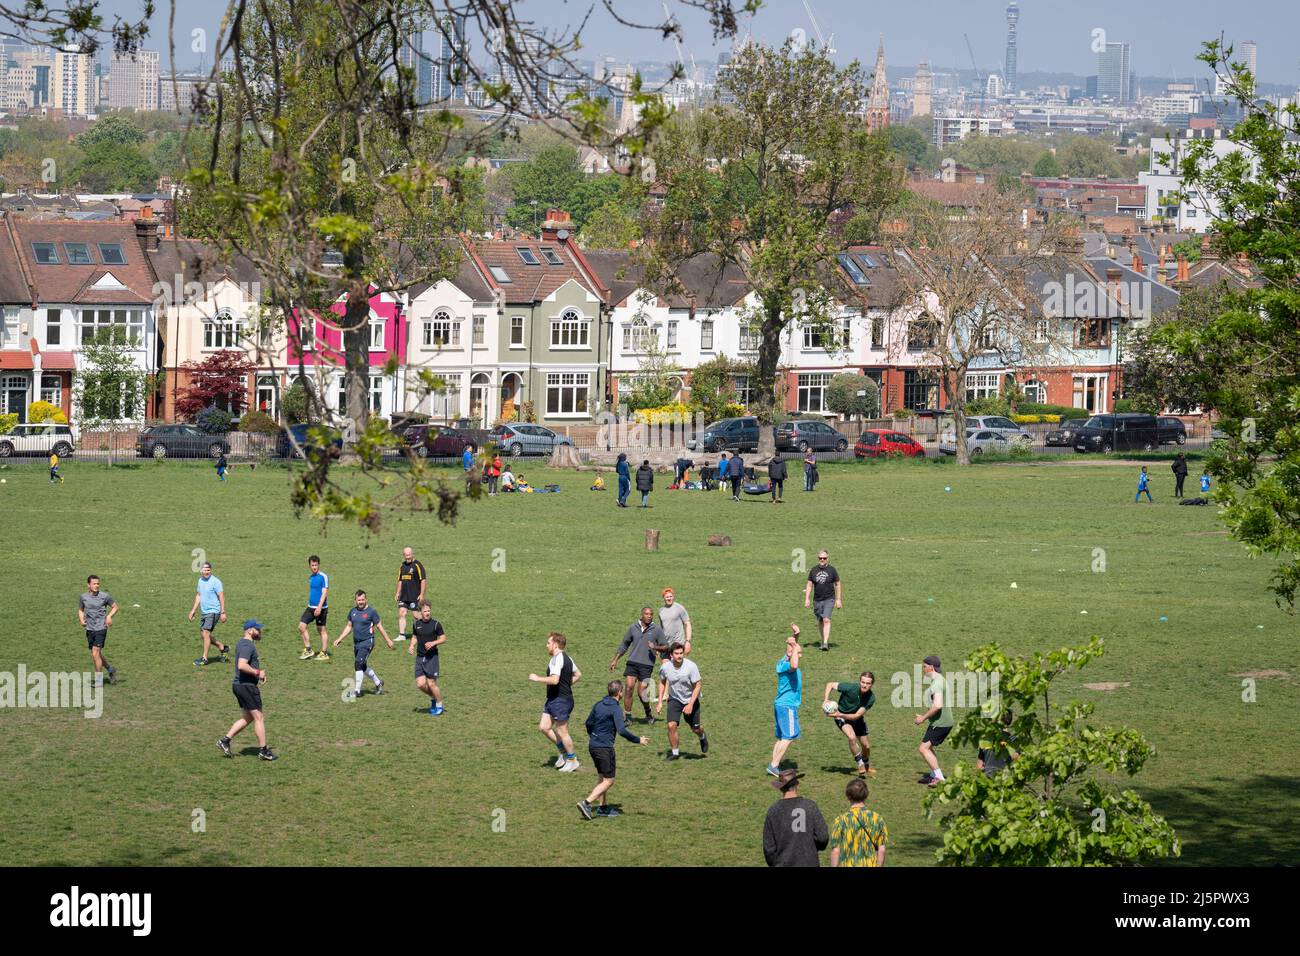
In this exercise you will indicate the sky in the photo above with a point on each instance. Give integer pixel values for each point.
(1055, 35)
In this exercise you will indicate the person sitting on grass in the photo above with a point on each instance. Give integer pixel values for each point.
(598, 484)
(508, 480)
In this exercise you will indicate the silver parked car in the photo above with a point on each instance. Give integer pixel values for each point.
(526, 439)
(37, 439)
(979, 441)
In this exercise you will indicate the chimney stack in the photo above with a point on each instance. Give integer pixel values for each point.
(146, 230)
(1182, 268)
(556, 219)
(1137, 260)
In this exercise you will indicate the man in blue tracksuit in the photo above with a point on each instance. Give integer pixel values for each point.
(1144, 485)
(624, 480)
(604, 723)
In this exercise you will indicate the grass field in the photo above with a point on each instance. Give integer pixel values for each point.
(379, 782)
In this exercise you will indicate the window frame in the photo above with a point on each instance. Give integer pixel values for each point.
(570, 324)
(576, 386)
(106, 260)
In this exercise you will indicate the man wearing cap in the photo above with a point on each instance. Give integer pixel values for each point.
(794, 830)
(940, 717)
(248, 675)
(210, 601)
(789, 696)
(639, 643)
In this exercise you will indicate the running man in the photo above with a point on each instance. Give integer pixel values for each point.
(249, 674)
(822, 594)
(54, 469)
(210, 602)
(95, 610)
(789, 696)
(643, 638)
(362, 621)
(603, 724)
(939, 716)
(561, 675)
(427, 636)
(411, 583)
(318, 611)
(850, 716)
(679, 681)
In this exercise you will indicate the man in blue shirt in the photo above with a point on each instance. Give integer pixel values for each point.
(789, 697)
(210, 602)
(318, 609)
(604, 723)
(362, 621)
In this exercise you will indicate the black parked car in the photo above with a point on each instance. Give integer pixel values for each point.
(804, 434)
(301, 434)
(180, 441)
(1172, 431)
(1063, 434)
(728, 434)
(1125, 432)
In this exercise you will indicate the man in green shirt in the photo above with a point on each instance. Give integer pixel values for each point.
(850, 716)
(939, 716)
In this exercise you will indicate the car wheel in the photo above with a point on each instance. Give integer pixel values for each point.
(1148, 446)
(803, 447)
(6, 449)
(1182, 438)
(841, 445)
(976, 451)
(516, 449)
(421, 451)
(215, 450)
(63, 449)
(1106, 449)
(159, 452)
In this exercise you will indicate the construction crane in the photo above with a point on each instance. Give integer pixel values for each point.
(979, 79)
(677, 42)
(827, 45)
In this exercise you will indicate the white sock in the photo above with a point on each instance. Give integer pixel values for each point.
(938, 775)
(358, 685)
(676, 752)
(373, 676)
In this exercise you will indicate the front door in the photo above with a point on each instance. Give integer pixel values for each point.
(509, 395)
(13, 396)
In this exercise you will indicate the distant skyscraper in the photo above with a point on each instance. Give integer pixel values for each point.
(74, 86)
(1012, 82)
(878, 105)
(993, 87)
(922, 90)
(449, 66)
(1113, 72)
(132, 81)
(1249, 55)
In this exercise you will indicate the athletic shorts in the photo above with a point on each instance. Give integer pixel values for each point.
(823, 609)
(96, 638)
(208, 622)
(603, 760)
(859, 726)
(639, 671)
(675, 713)
(361, 653)
(427, 666)
(934, 736)
(310, 616)
(559, 709)
(787, 722)
(248, 695)
(413, 604)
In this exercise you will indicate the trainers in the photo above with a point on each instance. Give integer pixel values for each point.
(871, 771)
(559, 762)
(112, 675)
(436, 711)
(671, 756)
(224, 744)
(569, 766)
(201, 662)
(379, 687)
(352, 695)
(585, 809)
(773, 771)
(322, 656)
(606, 812)
(651, 719)
(266, 754)
(307, 654)
(704, 743)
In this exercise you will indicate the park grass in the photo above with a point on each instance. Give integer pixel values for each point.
(926, 571)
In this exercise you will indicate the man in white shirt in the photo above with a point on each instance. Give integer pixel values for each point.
(679, 681)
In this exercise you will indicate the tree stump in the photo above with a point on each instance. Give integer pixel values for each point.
(720, 540)
(651, 539)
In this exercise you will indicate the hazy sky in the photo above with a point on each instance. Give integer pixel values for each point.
(1055, 35)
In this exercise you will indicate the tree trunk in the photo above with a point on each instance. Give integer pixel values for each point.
(769, 359)
(651, 539)
(957, 401)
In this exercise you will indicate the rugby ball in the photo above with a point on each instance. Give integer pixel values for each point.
(830, 707)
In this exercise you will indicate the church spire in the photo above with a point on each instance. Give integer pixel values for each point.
(878, 104)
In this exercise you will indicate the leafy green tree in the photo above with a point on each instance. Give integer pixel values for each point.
(108, 167)
(1054, 802)
(997, 154)
(550, 181)
(713, 389)
(843, 399)
(110, 386)
(1158, 377)
(116, 128)
(911, 146)
(1088, 157)
(1047, 165)
(610, 227)
(1246, 359)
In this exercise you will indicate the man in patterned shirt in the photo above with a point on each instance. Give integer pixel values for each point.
(859, 835)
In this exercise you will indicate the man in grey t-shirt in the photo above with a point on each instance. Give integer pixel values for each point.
(639, 643)
(676, 624)
(679, 681)
(95, 610)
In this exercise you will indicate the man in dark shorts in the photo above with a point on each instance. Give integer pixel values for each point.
(95, 610)
(362, 621)
(822, 594)
(411, 584)
(561, 675)
(940, 718)
(210, 602)
(249, 675)
(427, 636)
(604, 723)
(318, 611)
(850, 716)
(679, 681)
(641, 638)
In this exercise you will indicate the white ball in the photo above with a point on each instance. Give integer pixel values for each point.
(4, 481)
(829, 707)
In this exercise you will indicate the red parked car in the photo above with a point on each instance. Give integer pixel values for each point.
(881, 441)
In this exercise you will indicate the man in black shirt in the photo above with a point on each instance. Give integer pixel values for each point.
(561, 675)
(794, 830)
(776, 474)
(822, 593)
(411, 582)
(427, 636)
(249, 674)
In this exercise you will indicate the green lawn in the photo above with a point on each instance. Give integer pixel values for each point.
(377, 781)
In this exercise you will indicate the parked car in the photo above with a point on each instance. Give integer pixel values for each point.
(284, 448)
(436, 441)
(728, 434)
(1063, 434)
(1126, 432)
(875, 442)
(37, 439)
(804, 434)
(180, 441)
(979, 441)
(1171, 431)
(526, 439)
(994, 423)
